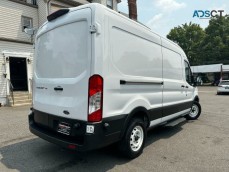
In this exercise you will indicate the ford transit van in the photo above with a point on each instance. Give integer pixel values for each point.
(101, 78)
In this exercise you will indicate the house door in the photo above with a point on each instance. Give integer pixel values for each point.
(18, 73)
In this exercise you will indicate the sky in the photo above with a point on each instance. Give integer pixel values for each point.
(163, 15)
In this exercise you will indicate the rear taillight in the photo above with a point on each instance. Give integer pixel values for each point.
(95, 98)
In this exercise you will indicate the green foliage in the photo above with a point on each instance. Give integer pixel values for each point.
(204, 46)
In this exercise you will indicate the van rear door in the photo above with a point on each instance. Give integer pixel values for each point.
(62, 65)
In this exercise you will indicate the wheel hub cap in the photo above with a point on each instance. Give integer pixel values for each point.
(194, 111)
(136, 138)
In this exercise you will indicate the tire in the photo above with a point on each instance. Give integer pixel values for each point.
(194, 112)
(133, 141)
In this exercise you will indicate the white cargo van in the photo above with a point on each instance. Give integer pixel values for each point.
(101, 78)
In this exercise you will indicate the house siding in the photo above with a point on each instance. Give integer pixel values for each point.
(56, 5)
(115, 5)
(104, 2)
(81, 1)
(42, 11)
(10, 19)
(2, 82)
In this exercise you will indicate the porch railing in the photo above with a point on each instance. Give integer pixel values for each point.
(31, 87)
(11, 90)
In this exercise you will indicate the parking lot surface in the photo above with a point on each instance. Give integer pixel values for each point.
(198, 146)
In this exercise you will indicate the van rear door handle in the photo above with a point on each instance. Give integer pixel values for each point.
(186, 86)
(182, 86)
(58, 88)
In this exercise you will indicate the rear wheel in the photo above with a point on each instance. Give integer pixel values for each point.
(194, 112)
(133, 141)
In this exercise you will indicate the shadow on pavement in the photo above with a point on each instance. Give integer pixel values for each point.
(164, 132)
(39, 155)
(224, 94)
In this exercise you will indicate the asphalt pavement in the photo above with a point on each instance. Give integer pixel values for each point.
(191, 146)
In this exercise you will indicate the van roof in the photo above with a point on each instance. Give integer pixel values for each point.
(99, 7)
(102, 7)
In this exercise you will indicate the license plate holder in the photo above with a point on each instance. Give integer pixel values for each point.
(64, 128)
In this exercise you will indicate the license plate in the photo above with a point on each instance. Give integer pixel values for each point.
(64, 128)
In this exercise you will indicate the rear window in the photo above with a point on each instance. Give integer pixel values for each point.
(224, 83)
(62, 52)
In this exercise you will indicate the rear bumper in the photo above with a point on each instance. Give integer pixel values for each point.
(78, 140)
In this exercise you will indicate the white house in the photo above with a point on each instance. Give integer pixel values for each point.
(16, 47)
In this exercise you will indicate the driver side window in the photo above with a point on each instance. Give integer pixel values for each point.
(188, 73)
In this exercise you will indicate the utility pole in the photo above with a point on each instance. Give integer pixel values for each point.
(221, 73)
(133, 9)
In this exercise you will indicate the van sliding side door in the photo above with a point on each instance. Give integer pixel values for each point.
(173, 92)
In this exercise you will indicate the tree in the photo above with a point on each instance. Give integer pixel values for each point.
(207, 46)
(189, 37)
(215, 45)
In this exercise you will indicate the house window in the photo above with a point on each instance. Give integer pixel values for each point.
(26, 22)
(34, 2)
(110, 4)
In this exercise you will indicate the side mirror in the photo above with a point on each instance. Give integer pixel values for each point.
(194, 82)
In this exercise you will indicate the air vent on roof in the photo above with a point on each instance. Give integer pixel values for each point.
(57, 14)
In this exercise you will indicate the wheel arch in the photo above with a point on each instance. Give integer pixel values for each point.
(138, 112)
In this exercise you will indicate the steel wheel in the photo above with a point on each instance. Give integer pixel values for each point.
(132, 144)
(136, 138)
(194, 111)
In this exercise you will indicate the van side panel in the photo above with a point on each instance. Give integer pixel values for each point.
(135, 58)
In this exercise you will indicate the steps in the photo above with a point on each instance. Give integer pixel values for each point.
(175, 122)
(21, 98)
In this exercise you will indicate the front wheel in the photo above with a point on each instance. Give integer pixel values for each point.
(133, 141)
(194, 112)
